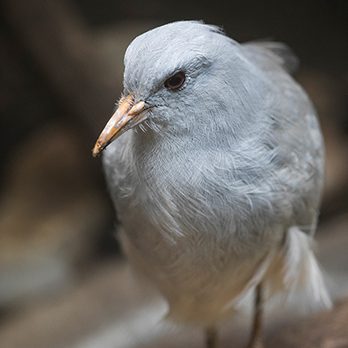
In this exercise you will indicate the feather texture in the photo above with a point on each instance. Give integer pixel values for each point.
(210, 187)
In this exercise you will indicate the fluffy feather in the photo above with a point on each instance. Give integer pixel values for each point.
(301, 272)
(211, 187)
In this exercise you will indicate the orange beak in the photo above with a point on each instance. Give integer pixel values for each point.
(126, 116)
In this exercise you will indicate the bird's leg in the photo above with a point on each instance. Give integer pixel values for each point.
(255, 340)
(211, 337)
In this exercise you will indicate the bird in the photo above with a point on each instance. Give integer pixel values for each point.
(216, 174)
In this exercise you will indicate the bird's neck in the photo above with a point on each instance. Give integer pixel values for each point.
(182, 138)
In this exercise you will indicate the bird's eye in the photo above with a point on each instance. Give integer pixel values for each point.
(176, 81)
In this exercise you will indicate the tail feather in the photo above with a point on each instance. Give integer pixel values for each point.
(302, 271)
(296, 271)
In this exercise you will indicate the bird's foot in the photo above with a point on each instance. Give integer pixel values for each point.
(255, 344)
(255, 340)
(211, 336)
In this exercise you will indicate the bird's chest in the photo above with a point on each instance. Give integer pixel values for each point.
(182, 225)
(166, 195)
(172, 211)
(160, 195)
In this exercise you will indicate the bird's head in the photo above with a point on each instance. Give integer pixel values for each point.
(175, 75)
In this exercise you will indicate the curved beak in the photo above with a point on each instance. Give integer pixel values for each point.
(127, 115)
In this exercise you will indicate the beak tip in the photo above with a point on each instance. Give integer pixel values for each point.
(96, 150)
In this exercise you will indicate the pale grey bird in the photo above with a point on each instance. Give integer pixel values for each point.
(218, 180)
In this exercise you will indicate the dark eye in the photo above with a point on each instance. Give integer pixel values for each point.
(175, 81)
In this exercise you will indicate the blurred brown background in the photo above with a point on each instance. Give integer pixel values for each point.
(63, 282)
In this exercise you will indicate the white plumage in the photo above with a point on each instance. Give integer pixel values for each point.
(218, 188)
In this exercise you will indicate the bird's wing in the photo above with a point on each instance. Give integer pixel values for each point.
(293, 136)
(269, 54)
(301, 154)
(299, 160)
